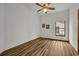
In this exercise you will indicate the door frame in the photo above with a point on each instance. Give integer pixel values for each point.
(78, 32)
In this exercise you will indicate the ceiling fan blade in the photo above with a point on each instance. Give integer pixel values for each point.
(49, 3)
(39, 4)
(39, 10)
(51, 8)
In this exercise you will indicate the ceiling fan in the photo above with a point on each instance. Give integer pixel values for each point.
(44, 7)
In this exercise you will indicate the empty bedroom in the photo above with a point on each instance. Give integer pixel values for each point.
(39, 29)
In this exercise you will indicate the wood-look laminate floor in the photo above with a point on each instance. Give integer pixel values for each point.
(42, 47)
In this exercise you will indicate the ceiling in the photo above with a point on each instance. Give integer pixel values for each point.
(57, 6)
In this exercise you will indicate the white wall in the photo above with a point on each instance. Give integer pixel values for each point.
(2, 27)
(21, 24)
(73, 25)
(51, 19)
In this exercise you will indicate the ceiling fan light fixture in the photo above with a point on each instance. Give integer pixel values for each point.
(45, 10)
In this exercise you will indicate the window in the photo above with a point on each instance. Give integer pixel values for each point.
(60, 28)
